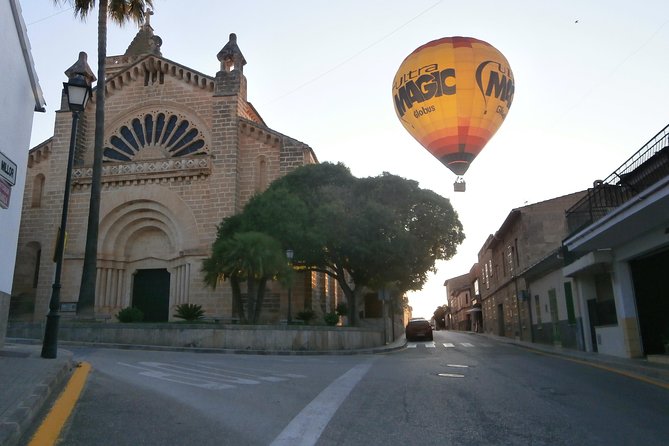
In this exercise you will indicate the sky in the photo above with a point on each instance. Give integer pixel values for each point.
(591, 87)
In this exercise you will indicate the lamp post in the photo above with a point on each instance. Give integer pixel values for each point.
(78, 90)
(289, 317)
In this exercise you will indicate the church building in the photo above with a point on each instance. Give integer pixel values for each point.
(183, 150)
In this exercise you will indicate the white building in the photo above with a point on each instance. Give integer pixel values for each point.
(20, 97)
(618, 253)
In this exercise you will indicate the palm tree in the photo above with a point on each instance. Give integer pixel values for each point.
(251, 256)
(121, 12)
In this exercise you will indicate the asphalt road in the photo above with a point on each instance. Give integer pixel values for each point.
(461, 389)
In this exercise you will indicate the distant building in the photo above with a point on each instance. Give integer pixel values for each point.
(20, 97)
(182, 151)
(464, 302)
(526, 236)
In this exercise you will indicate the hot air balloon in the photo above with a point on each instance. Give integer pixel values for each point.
(451, 95)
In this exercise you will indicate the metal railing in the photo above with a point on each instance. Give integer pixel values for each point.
(643, 169)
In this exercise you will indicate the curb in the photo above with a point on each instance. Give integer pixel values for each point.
(15, 425)
(397, 345)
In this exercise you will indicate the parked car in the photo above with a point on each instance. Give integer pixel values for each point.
(417, 329)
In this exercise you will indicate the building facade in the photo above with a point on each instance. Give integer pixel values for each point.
(617, 254)
(182, 151)
(586, 270)
(527, 234)
(20, 98)
(464, 302)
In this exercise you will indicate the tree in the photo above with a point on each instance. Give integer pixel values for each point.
(119, 11)
(245, 256)
(440, 315)
(365, 233)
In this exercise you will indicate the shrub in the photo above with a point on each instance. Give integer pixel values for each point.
(130, 314)
(189, 312)
(331, 318)
(342, 309)
(305, 316)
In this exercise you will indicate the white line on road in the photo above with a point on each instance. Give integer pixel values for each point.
(448, 345)
(467, 344)
(430, 345)
(306, 428)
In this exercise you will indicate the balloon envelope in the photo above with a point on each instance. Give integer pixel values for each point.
(451, 95)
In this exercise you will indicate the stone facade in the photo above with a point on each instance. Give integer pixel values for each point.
(525, 237)
(183, 151)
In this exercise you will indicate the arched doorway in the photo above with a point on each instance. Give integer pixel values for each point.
(151, 294)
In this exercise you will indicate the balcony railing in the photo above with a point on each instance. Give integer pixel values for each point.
(643, 169)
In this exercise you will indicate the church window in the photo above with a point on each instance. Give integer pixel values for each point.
(175, 135)
(261, 174)
(38, 187)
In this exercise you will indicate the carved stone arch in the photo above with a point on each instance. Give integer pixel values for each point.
(162, 207)
(138, 217)
(154, 131)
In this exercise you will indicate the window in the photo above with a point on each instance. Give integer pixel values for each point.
(261, 173)
(38, 188)
(569, 299)
(537, 307)
(486, 276)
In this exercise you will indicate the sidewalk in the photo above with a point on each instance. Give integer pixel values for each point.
(656, 372)
(27, 381)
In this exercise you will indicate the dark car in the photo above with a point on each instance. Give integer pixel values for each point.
(418, 329)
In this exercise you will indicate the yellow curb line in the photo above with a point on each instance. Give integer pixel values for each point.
(609, 369)
(49, 430)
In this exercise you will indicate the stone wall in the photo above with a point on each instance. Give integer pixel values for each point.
(211, 336)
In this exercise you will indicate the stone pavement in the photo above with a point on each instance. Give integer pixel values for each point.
(27, 381)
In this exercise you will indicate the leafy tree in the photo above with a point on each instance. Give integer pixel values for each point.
(119, 11)
(253, 257)
(365, 233)
(440, 315)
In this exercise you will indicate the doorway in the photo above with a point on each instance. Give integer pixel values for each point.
(500, 320)
(652, 292)
(151, 294)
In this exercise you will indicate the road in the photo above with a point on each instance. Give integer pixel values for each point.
(461, 389)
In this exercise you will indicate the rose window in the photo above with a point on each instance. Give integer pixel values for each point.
(155, 136)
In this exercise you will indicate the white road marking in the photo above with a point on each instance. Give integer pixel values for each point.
(430, 345)
(204, 376)
(306, 428)
(466, 344)
(451, 375)
(457, 365)
(411, 345)
(448, 345)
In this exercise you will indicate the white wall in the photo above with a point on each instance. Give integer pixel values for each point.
(17, 103)
(18, 98)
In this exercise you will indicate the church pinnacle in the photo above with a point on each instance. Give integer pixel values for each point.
(145, 42)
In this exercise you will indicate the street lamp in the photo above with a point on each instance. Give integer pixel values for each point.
(78, 90)
(289, 256)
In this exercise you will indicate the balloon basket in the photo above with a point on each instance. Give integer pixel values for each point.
(459, 185)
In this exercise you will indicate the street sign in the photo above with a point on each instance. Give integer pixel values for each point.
(7, 169)
(5, 194)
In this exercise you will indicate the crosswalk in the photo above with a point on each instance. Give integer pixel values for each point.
(445, 345)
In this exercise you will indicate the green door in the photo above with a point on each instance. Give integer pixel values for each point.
(151, 294)
(555, 322)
